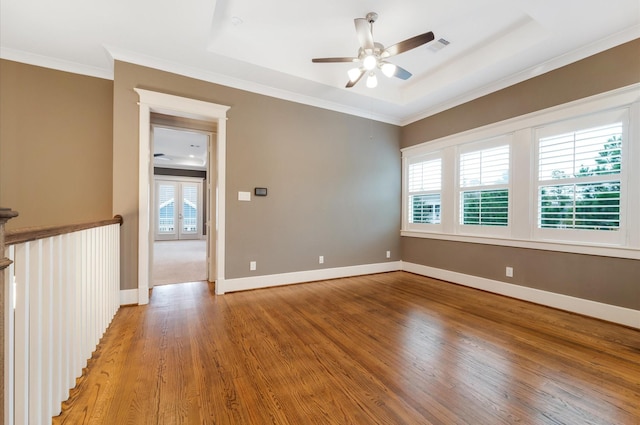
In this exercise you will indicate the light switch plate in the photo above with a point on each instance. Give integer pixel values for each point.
(244, 196)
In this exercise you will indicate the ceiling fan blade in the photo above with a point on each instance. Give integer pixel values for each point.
(332, 60)
(363, 29)
(353, 83)
(408, 44)
(402, 73)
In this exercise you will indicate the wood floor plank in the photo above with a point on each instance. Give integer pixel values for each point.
(392, 348)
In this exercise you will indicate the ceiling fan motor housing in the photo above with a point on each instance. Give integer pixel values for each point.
(371, 17)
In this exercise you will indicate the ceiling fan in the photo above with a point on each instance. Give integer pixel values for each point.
(372, 55)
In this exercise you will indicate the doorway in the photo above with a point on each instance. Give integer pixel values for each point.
(181, 107)
(179, 251)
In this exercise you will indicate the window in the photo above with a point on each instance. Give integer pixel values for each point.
(484, 190)
(579, 158)
(579, 188)
(424, 186)
(565, 179)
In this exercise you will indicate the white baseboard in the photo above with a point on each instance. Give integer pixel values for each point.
(611, 313)
(265, 281)
(128, 296)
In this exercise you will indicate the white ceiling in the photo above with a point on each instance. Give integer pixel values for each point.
(267, 46)
(177, 148)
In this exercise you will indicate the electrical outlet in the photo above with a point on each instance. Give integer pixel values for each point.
(321, 259)
(252, 265)
(388, 254)
(509, 271)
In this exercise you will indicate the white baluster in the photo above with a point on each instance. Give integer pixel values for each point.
(21, 348)
(79, 314)
(35, 331)
(46, 328)
(84, 279)
(57, 336)
(69, 324)
(9, 337)
(100, 322)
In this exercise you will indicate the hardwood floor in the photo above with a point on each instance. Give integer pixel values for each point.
(392, 348)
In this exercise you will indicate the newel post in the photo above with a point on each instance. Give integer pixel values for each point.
(5, 215)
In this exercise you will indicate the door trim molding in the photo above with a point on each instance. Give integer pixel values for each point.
(167, 104)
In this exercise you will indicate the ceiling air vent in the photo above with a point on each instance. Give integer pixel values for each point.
(438, 45)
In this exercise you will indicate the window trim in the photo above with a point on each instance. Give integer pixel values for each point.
(406, 195)
(576, 235)
(470, 229)
(523, 128)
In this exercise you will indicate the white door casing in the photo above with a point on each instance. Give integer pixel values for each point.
(167, 104)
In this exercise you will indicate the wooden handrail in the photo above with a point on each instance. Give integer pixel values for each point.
(27, 234)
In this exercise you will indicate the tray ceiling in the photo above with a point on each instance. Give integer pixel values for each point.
(266, 47)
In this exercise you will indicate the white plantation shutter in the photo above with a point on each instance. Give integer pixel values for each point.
(574, 154)
(579, 184)
(425, 175)
(565, 179)
(189, 207)
(485, 167)
(484, 190)
(588, 206)
(424, 186)
(167, 208)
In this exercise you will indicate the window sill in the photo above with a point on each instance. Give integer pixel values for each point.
(569, 247)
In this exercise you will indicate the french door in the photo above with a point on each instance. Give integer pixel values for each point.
(178, 208)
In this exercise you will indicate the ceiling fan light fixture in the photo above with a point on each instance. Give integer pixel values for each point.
(388, 69)
(369, 62)
(372, 80)
(354, 74)
(372, 55)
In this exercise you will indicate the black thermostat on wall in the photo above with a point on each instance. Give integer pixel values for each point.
(261, 191)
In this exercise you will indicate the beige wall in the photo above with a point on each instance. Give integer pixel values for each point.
(333, 179)
(608, 280)
(55, 145)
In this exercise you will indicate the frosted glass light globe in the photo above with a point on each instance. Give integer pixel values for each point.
(369, 62)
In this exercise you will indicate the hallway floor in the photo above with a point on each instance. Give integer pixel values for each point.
(179, 261)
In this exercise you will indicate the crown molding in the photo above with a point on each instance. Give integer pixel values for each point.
(622, 37)
(236, 83)
(55, 63)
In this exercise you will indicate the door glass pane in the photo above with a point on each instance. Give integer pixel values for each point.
(189, 208)
(166, 208)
